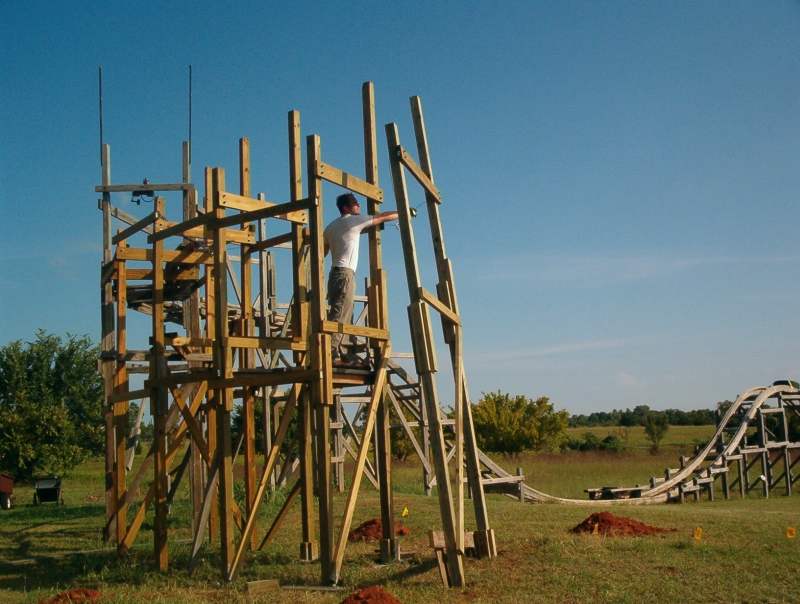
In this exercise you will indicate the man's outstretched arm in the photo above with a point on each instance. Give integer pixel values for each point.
(384, 217)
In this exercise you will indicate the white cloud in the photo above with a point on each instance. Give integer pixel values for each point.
(547, 351)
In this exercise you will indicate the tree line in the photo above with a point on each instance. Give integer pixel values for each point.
(51, 414)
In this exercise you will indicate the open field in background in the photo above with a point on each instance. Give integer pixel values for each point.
(684, 437)
(744, 554)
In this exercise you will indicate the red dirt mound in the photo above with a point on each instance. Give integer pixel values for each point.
(606, 523)
(371, 530)
(79, 595)
(371, 595)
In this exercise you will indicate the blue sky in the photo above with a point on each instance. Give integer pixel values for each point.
(619, 178)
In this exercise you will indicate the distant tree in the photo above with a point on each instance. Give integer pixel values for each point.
(511, 424)
(655, 427)
(290, 443)
(51, 405)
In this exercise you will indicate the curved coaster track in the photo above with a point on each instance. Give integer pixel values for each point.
(752, 437)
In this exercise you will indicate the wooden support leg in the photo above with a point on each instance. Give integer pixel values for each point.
(324, 493)
(309, 548)
(388, 547)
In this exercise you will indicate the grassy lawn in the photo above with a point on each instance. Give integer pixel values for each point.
(680, 437)
(744, 554)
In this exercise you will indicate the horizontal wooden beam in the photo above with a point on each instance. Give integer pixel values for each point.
(283, 210)
(269, 343)
(271, 242)
(117, 397)
(348, 181)
(179, 186)
(123, 216)
(146, 274)
(418, 173)
(354, 330)
(249, 204)
(177, 256)
(434, 301)
(134, 228)
(179, 228)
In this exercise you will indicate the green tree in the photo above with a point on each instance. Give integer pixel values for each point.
(511, 424)
(655, 427)
(51, 401)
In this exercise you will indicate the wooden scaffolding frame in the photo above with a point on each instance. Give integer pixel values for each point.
(251, 352)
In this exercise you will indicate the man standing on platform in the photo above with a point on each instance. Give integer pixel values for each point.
(341, 239)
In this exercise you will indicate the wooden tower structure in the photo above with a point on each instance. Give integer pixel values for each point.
(205, 266)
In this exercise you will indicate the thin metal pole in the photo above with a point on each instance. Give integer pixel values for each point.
(190, 114)
(100, 96)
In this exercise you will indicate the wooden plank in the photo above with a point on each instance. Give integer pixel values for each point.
(134, 228)
(418, 174)
(423, 345)
(121, 396)
(121, 408)
(223, 362)
(177, 256)
(434, 301)
(276, 211)
(268, 343)
(348, 181)
(270, 242)
(280, 516)
(146, 274)
(332, 327)
(158, 406)
(108, 188)
(123, 216)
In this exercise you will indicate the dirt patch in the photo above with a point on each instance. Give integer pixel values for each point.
(371, 595)
(606, 523)
(79, 595)
(372, 530)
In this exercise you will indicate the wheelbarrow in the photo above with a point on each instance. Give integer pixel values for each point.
(47, 490)
(6, 491)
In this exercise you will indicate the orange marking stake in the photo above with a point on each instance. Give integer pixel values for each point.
(596, 528)
(791, 532)
(698, 534)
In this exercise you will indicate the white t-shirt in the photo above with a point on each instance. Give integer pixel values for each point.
(342, 235)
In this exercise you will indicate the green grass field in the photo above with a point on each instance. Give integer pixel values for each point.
(744, 554)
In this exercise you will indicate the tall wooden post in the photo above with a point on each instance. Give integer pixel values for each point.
(107, 360)
(309, 548)
(159, 400)
(246, 359)
(425, 358)
(224, 363)
(121, 407)
(322, 384)
(446, 290)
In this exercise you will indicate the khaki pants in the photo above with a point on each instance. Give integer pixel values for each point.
(341, 291)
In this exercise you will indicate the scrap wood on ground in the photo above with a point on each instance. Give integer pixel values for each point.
(606, 523)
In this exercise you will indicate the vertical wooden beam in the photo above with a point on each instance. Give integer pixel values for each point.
(309, 548)
(121, 407)
(224, 363)
(378, 317)
(484, 537)
(107, 363)
(322, 384)
(425, 359)
(159, 402)
(211, 331)
(246, 355)
(191, 323)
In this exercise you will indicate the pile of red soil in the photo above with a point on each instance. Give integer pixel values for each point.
(371, 595)
(606, 523)
(79, 595)
(372, 530)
